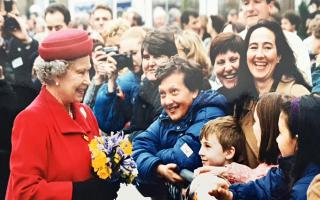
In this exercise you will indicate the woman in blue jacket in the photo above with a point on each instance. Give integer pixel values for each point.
(172, 141)
(298, 142)
(138, 104)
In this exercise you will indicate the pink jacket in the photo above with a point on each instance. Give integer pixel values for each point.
(239, 173)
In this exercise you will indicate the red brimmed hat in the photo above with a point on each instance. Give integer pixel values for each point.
(67, 44)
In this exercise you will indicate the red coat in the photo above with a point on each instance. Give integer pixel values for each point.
(50, 149)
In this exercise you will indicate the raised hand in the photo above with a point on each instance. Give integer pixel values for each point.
(21, 32)
(99, 63)
(221, 192)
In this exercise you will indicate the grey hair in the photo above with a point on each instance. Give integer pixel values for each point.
(47, 70)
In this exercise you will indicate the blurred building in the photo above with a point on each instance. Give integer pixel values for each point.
(145, 7)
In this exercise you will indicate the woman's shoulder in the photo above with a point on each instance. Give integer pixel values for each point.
(288, 86)
(35, 110)
(299, 90)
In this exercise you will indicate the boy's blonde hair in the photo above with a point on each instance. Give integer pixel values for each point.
(228, 133)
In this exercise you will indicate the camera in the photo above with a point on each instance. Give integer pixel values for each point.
(10, 23)
(110, 49)
(122, 59)
(8, 5)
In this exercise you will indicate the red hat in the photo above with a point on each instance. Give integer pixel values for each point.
(67, 44)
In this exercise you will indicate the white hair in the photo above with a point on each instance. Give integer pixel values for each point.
(47, 70)
(159, 12)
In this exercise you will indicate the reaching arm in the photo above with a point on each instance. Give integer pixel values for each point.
(108, 110)
(145, 147)
(185, 151)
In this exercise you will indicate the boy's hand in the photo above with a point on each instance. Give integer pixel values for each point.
(221, 192)
(168, 172)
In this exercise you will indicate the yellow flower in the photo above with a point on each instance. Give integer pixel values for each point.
(95, 152)
(105, 172)
(99, 160)
(93, 144)
(126, 146)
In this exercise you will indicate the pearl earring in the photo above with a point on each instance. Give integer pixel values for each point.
(57, 83)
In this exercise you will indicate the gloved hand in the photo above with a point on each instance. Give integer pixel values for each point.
(95, 188)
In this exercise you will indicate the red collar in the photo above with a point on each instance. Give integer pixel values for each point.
(66, 124)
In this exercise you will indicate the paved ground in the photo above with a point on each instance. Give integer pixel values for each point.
(129, 192)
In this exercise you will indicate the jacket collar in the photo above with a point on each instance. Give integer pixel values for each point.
(66, 124)
(209, 98)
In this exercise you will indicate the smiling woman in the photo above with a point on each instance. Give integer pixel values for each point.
(227, 54)
(272, 66)
(171, 142)
(271, 61)
(56, 127)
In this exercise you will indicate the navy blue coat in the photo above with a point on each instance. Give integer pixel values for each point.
(275, 184)
(168, 142)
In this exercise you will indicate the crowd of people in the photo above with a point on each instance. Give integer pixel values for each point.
(232, 101)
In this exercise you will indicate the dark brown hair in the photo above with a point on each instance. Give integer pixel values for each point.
(159, 42)
(302, 114)
(268, 111)
(59, 7)
(193, 77)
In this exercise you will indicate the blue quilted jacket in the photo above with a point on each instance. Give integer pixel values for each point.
(275, 184)
(166, 141)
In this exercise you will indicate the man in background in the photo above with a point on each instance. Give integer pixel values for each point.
(57, 17)
(190, 20)
(99, 17)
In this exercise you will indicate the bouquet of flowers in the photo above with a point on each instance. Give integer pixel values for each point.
(111, 158)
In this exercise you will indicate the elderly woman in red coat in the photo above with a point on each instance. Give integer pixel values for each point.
(50, 156)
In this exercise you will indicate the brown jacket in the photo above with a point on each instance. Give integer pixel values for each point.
(285, 86)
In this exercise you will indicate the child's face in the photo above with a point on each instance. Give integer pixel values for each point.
(286, 143)
(211, 152)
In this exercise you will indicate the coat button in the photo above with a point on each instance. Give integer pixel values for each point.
(178, 127)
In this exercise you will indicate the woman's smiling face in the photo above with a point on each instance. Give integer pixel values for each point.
(262, 55)
(73, 84)
(175, 97)
(226, 68)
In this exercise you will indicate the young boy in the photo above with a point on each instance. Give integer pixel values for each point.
(223, 152)
(222, 144)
